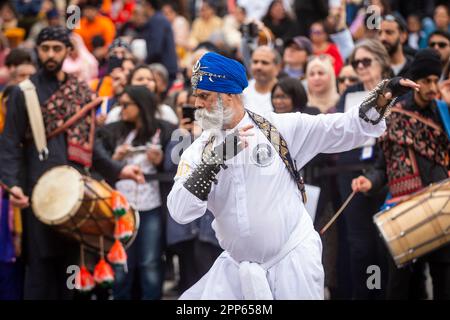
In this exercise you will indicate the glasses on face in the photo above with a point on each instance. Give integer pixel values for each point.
(440, 44)
(366, 62)
(350, 79)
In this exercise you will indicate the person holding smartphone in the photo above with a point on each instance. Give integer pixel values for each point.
(185, 110)
(194, 243)
(140, 139)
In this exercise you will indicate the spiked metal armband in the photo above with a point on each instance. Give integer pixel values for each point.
(371, 101)
(200, 181)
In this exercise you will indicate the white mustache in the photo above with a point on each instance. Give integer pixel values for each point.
(215, 119)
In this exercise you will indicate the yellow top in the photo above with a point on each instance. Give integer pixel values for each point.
(202, 29)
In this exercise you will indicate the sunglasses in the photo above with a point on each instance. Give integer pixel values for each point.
(440, 44)
(350, 79)
(366, 62)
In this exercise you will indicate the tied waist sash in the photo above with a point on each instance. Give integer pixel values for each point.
(253, 276)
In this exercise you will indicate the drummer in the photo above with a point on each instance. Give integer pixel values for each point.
(47, 254)
(415, 154)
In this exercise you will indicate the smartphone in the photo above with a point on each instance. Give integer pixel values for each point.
(189, 113)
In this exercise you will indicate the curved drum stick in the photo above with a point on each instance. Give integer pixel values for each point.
(338, 213)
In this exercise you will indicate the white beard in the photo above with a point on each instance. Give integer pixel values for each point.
(216, 119)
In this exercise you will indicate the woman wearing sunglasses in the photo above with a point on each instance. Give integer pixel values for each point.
(347, 78)
(142, 139)
(370, 61)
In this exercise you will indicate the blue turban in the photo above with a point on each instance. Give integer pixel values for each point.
(217, 73)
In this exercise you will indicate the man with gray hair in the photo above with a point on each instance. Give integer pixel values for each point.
(243, 168)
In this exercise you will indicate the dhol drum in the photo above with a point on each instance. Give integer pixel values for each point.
(79, 207)
(417, 225)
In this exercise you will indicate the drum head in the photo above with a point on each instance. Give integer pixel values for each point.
(57, 195)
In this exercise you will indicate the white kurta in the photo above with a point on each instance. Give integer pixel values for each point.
(259, 215)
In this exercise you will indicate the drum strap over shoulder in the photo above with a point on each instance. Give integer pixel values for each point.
(76, 117)
(37, 122)
(35, 117)
(276, 139)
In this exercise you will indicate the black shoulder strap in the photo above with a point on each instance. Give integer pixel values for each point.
(278, 142)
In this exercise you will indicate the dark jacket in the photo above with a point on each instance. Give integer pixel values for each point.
(429, 171)
(19, 158)
(352, 157)
(158, 35)
(308, 12)
(286, 29)
(199, 228)
(404, 72)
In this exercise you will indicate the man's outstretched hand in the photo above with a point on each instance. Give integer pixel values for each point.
(396, 87)
(399, 86)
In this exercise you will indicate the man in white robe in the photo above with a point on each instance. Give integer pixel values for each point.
(271, 248)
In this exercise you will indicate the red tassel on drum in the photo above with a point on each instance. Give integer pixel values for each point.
(103, 273)
(119, 203)
(84, 280)
(123, 230)
(117, 254)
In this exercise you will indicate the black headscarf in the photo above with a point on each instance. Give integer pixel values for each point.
(426, 62)
(58, 33)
